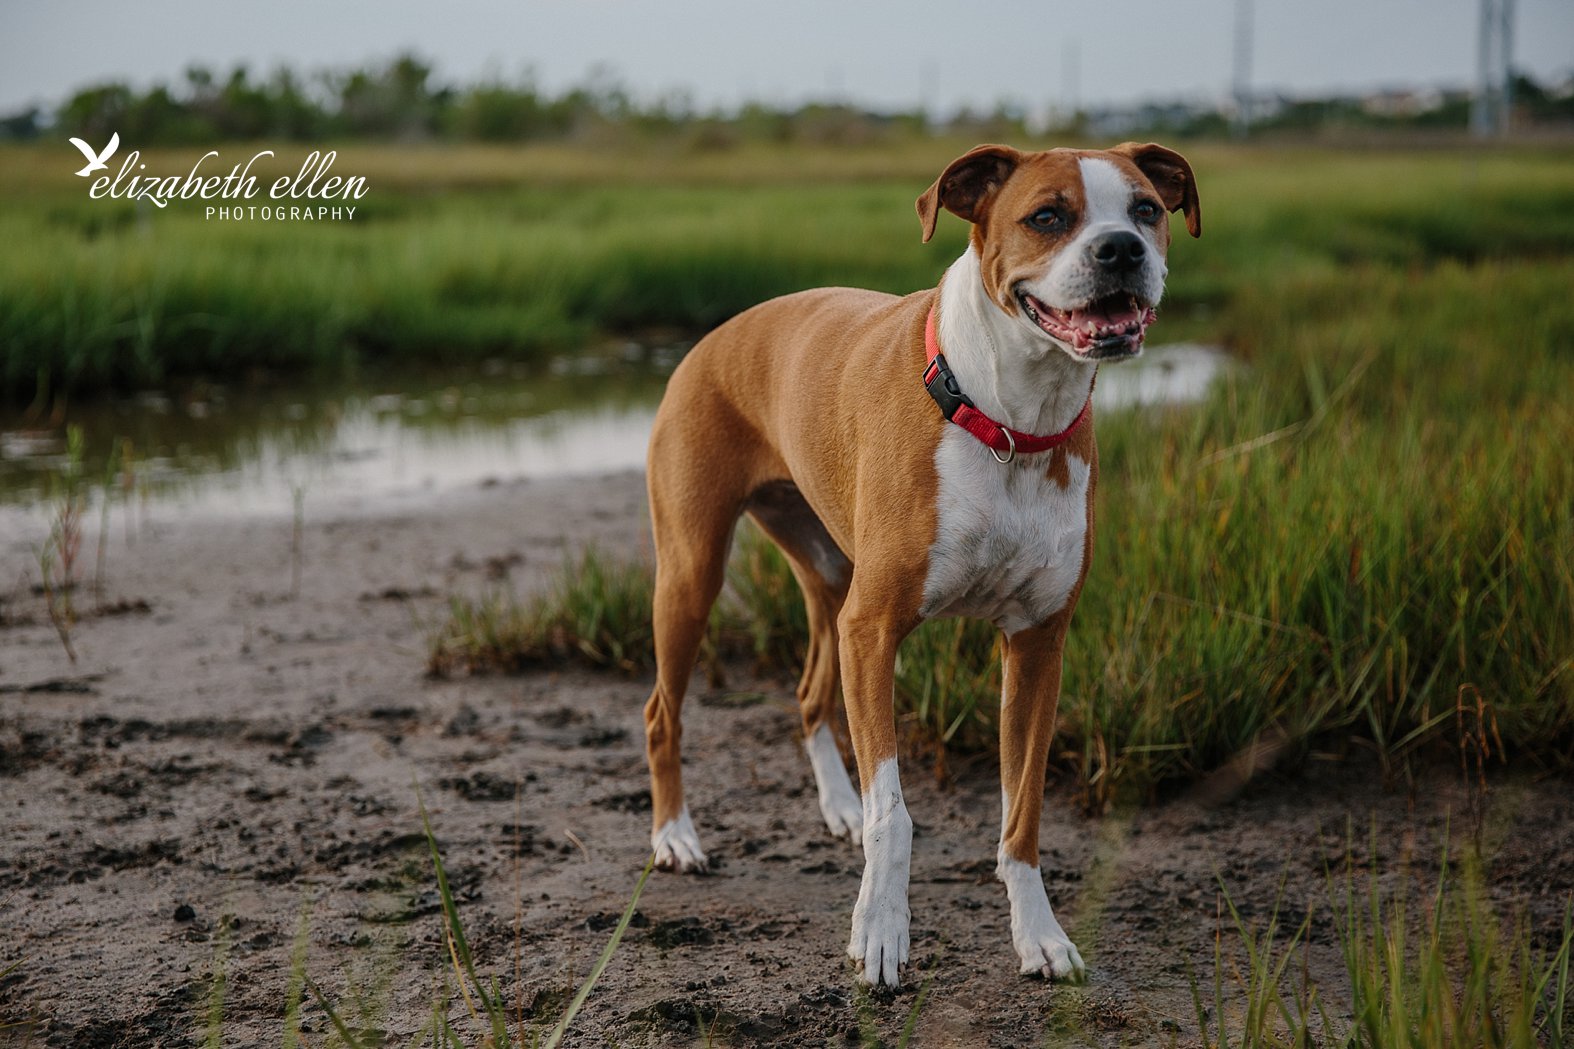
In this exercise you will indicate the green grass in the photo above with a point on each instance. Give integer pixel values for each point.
(597, 612)
(479, 252)
(1458, 977)
(516, 264)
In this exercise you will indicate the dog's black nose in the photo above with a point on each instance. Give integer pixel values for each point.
(1117, 251)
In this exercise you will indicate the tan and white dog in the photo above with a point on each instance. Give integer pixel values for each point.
(930, 455)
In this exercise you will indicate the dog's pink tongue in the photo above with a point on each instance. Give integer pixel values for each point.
(1111, 316)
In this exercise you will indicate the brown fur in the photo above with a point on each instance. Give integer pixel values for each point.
(741, 416)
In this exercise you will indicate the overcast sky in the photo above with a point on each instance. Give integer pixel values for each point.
(875, 52)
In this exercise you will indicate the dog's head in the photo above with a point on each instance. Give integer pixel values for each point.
(1071, 242)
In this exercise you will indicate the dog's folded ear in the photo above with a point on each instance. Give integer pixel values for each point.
(1171, 177)
(966, 185)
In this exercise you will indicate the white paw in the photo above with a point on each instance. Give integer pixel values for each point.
(844, 816)
(1052, 957)
(839, 802)
(1040, 942)
(879, 943)
(880, 918)
(677, 845)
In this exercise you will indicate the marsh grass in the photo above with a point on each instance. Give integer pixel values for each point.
(57, 558)
(1459, 976)
(477, 252)
(218, 986)
(597, 612)
(1345, 541)
(1256, 1000)
(1466, 978)
(111, 471)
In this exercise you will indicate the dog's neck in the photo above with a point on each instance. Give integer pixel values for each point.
(1015, 376)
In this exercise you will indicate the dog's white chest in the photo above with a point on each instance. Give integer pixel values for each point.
(1010, 539)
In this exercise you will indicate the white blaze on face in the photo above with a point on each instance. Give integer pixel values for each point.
(1108, 196)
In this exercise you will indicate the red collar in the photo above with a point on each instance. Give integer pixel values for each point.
(957, 408)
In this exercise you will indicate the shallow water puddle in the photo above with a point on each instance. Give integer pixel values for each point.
(385, 439)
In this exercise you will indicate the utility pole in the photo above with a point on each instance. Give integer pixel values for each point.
(929, 92)
(1505, 98)
(1482, 109)
(1489, 110)
(1070, 82)
(1243, 68)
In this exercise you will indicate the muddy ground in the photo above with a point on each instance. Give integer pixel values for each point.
(228, 764)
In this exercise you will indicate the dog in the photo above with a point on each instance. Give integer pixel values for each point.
(919, 456)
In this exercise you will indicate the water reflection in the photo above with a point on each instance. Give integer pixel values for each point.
(248, 448)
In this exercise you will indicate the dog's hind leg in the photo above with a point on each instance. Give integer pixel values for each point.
(693, 512)
(817, 700)
(822, 572)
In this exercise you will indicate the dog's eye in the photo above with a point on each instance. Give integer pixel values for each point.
(1145, 211)
(1046, 218)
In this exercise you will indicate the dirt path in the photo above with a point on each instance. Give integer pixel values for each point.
(236, 753)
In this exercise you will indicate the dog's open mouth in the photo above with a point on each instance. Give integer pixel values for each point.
(1105, 329)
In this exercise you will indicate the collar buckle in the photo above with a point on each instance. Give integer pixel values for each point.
(943, 387)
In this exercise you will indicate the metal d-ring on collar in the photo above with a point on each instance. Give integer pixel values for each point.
(1011, 454)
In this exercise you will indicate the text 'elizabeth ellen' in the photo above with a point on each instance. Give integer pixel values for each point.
(312, 182)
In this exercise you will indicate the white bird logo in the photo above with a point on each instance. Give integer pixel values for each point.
(95, 162)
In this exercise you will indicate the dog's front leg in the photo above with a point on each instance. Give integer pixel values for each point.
(869, 639)
(1030, 694)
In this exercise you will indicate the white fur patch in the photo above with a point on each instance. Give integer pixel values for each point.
(880, 918)
(1009, 540)
(839, 803)
(1041, 943)
(677, 845)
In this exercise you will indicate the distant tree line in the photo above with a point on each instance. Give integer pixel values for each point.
(401, 100)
